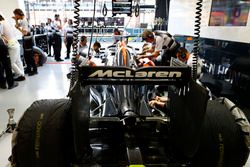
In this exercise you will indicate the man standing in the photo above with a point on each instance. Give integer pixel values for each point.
(6, 32)
(23, 26)
(5, 68)
(68, 37)
(49, 32)
(57, 39)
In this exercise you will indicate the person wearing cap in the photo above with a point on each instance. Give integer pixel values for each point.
(162, 43)
(23, 26)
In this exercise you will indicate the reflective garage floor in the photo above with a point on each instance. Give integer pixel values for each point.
(50, 83)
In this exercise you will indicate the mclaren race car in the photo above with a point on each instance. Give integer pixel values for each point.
(107, 120)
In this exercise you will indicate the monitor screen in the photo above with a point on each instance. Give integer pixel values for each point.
(122, 7)
(229, 13)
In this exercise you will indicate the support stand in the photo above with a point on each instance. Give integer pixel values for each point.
(11, 122)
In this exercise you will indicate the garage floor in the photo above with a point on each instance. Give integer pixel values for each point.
(50, 83)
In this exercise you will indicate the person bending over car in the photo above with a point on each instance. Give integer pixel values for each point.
(163, 44)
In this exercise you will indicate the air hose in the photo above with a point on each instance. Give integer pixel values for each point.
(74, 73)
(92, 28)
(79, 111)
(137, 9)
(76, 25)
(196, 48)
(104, 10)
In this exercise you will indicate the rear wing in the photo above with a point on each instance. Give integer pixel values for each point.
(159, 75)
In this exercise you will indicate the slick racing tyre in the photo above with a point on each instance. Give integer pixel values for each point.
(40, 56)
(43, 136)
(222, 141)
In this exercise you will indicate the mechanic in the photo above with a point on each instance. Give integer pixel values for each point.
(23, 26)
(57, 39)
(6, 75)
(117, 36)
(96, 49)
(160, 103)
(162, 44)
(82, 46)
(68, 37)
(183, 55)
(82, 57)
(9, 38)
(145, 61)
(49, 31)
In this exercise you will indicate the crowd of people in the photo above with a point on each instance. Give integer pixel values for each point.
(12, 67)
(159, 49)
(56, 31)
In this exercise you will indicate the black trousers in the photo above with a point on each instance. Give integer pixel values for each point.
(57, 46)
(28, 54)
(69, 41)
(5, 66)
(50, 43)
(29, 60)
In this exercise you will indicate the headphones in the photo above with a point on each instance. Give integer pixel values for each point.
(149, 35)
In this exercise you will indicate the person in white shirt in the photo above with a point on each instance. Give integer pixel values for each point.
(116, 36)
(96, 49)
(7, 33)
(68, 36)
(83, 47)
(6, 76)
(163, 44)
(23, 26)
(49, 32)
(57, 39)
(82, 57)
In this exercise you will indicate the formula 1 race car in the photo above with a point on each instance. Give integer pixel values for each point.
(107, 121)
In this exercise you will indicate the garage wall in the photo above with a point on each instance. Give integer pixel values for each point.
(182, 17)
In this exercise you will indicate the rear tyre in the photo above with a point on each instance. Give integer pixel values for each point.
(222, 142)
(44, 136)
(40, 56)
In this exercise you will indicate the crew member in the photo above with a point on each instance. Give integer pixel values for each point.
(96, 49)
(23, 26)
(83, 47)
(49, 31)
(117, 35)
(160, 103)
(68, 37)
(5, 67)
(162, 43)
(7, 34)
(57, 39)
(82, 57)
